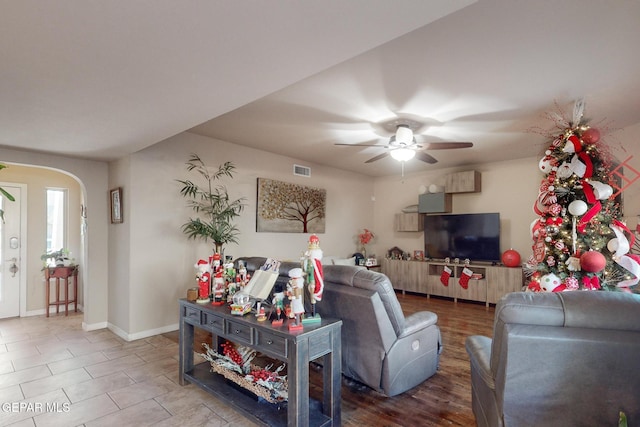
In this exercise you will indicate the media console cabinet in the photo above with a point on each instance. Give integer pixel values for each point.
(424, 277)
(296, 348)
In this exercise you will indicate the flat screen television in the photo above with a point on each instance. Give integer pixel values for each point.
(473, 236)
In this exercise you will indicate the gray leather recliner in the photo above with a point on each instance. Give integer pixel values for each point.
(558, 359)
(381, 348)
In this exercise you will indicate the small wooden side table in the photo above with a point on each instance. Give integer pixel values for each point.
(374, 267)
(63, 273)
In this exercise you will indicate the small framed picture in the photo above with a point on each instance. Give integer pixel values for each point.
(418, 255)
(115, 197)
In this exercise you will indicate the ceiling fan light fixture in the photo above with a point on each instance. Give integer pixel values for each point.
(403, 154)
(404, 134)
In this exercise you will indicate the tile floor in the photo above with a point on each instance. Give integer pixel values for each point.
(52, 373)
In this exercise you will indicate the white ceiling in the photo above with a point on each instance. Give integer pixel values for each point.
(101, 80)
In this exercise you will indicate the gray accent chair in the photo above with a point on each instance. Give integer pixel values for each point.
(381, 348)
(558, 359)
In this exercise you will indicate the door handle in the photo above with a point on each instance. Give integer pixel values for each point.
(14, 267)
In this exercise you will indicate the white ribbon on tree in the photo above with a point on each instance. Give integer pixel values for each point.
(620, 257)
(566, 169)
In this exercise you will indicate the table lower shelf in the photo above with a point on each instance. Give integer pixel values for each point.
(267, 413)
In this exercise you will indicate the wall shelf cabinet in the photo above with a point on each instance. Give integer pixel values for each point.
(425, 277)
(408, 222)
(463, 182)
(434, 203)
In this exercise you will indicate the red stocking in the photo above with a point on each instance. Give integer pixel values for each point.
(444, 277)
(464, 278)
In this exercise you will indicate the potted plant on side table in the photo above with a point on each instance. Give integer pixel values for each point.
(59, 258)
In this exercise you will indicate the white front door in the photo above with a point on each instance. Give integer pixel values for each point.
(11, 265)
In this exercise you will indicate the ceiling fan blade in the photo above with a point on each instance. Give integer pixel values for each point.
(361, 145)
(445, 145)
(378, 157)
(421, 155)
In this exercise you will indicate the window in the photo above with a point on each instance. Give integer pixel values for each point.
(56, 219)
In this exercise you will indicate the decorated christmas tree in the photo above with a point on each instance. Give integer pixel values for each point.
(580, 240)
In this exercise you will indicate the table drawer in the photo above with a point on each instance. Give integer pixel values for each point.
(238, 332)
(271, 344)
(213, 323)
(192, 315)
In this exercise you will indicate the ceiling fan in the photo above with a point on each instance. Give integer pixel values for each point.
(402, 145)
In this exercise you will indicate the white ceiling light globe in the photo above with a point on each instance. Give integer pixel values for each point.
(403, 154)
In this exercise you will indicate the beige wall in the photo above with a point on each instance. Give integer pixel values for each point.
(120, 301)
(507, 187)
(161, 259)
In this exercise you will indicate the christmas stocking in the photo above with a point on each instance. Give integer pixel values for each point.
(464, 278)
(444, 277)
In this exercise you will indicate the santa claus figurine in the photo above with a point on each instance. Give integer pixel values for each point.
(203, 277)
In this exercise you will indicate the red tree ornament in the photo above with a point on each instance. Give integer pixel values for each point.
(591, 136)
(511, 258)
(592, 261)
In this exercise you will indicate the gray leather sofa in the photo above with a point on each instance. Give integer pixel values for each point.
(381, 348)
(558, 359)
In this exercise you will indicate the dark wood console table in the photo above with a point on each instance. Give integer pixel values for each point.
(296, 348)
(63, 273)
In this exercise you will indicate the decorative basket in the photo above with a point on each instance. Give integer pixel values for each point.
(235, 365)
(255, 388)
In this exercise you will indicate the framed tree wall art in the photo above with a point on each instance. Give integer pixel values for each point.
(290, 208)
(115, 198)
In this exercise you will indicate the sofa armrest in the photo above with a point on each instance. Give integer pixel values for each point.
(484, 397)
(413, 358)
(418, 321)
(479, 350)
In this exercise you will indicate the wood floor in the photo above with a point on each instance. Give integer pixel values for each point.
(445, 398)
(442, 400)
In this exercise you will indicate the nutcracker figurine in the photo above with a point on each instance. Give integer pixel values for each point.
(295, 292)
(315, 277)
(218, 289)
(278, 303)
(216, 262)
(203, 277)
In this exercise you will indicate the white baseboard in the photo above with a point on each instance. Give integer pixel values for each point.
(113, 328)
(93, 326)
(143, 334)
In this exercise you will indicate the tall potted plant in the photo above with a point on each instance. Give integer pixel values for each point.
(214, 208)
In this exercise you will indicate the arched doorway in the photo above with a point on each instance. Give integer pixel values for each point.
(34, 182)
